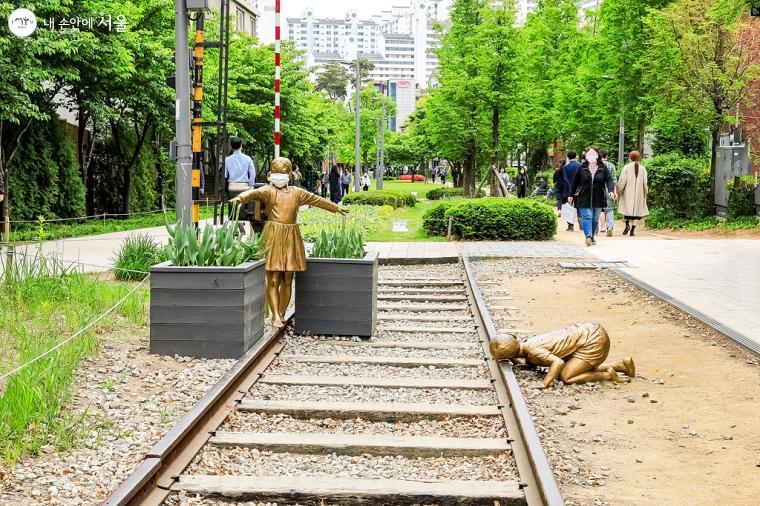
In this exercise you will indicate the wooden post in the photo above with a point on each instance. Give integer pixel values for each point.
(451, 223)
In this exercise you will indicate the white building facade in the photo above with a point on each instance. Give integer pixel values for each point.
(399, 41)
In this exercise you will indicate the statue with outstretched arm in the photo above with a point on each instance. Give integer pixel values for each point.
(574, 354)
(281, 237)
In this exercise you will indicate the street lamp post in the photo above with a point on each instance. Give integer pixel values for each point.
(357, 147)
(381, 146)
(621, 130)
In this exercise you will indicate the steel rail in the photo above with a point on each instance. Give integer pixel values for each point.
(150, 482)
(536, 475)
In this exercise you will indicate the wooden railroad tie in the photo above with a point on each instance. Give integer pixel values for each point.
(377, 411)
(404, 344)
(353, 444)
(420, 308)
(354, 490)
(411, 283)
(298, 379)
(424, 298)
(421, 291)
(425, 318)
(437, 330)
(391, 361)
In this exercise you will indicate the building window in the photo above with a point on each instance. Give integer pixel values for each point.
(253, 25)
(240, 22)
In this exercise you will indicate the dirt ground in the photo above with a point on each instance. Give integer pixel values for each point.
(685, 431)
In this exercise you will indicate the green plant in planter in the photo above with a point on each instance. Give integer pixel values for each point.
(217, 247)
(346, 242)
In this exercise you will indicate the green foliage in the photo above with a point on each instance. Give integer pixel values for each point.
(333, 79)
(679, 185)
(502, 219)
(216, 246)
(660, 219)
(446, 192)
(40, 305)
(434, 220)
(46, 180)
(741, 197)
(343, 242)
(366, 218)
(138, 253)
(393, 198)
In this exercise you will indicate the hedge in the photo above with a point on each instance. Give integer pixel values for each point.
(445, 191)
(393, 198)
(497, 218)
(434, 220)
(678, 185)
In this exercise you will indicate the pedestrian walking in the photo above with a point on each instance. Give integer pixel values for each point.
(591, 188)
(433, 174)
(365, 182)
(522, 184)
(569, 171)
(632, 187)
(335, 185)
(345, 181)
(559, 185)
(443, 176)
(310, 179)
(607, 219)
(325, 184)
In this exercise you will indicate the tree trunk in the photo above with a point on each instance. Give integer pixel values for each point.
(468, 176)
(456, 174)
(713, 166)
(492, 177)
(640, 136)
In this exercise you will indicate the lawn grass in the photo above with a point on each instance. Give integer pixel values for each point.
(40, 306)
(379, 220)
(30, 232)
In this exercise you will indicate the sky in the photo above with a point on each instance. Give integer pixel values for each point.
(338, 8)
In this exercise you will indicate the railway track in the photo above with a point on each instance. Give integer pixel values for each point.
(419, 415)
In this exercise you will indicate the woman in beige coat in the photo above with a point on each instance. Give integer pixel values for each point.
(632, 190)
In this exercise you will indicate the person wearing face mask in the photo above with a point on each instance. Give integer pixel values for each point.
(285, 253)
(522, 184)
(591, 187)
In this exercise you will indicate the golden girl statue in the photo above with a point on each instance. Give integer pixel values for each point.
(575, 354)
(285, 253)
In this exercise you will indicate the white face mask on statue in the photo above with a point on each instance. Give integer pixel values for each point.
(592, 156)
(279, 180)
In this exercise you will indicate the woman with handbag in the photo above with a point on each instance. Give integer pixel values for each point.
(591, 187)
(632, 188)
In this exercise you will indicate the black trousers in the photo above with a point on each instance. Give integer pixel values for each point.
(345, 188)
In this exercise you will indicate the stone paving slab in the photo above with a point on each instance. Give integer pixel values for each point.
(718, 278)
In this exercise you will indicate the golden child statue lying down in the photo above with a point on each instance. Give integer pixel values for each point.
(575, 354)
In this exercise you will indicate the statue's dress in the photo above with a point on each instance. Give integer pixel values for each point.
(587, 341)
(281, 235)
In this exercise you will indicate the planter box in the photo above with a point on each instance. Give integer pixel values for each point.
(337, 296)
(206, 312)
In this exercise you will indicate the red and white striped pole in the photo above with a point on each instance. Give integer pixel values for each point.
(276, 78)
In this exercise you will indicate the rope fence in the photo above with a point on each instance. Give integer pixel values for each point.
(75, 335)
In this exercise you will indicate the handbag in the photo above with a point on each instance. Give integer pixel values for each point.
(569, 213)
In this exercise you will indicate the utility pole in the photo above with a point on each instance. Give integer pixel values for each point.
(277, 70)
(357, 147)
(183, 180)
(381, 164)
(197, 126)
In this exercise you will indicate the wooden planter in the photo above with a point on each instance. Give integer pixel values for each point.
(206, 312)
(337, 296)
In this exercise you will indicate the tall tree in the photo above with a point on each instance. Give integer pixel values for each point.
(334, 79)
(696, 53)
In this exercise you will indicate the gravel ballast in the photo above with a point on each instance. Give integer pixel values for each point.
(237, 461)
(460, 426)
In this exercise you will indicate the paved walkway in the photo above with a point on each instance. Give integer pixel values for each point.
(718, 278)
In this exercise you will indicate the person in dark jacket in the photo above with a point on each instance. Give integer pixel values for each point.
(522, 184)
(569, 171)
(336, 190)
(559, 184)
(591, 188)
